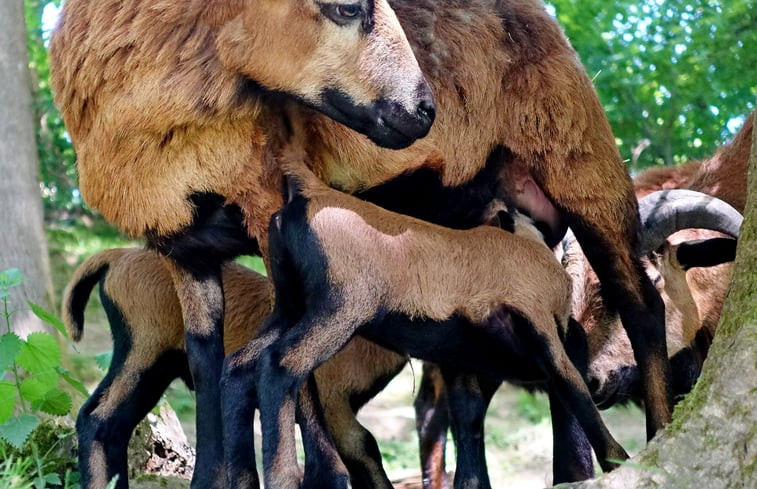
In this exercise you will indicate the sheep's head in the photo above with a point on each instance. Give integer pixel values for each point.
(349, 59)
(613, 374)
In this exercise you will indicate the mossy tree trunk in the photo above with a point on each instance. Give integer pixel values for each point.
(22, 238)
(712, 441)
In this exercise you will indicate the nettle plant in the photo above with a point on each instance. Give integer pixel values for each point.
(30, 371)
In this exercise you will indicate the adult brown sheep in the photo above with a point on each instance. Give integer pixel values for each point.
(167, 104)
(160, 106)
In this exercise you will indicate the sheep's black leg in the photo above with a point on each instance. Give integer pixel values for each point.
(322, 462)
(627, 288)
(570, 388)
(432, 424)
(196, 254)
(572, 460)
(108, 418)
(202, 306)
(606, 224)
(469, 397)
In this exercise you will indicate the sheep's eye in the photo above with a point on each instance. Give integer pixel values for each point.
(348, 11)
(342, 13)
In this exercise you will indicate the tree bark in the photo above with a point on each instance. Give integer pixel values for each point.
(712, 441)
(22, 238)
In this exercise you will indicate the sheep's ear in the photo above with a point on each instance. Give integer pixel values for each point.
(706, 252)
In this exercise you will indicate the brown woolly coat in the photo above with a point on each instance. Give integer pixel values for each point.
(155, 115)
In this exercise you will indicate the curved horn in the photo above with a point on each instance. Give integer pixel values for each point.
(666, 211)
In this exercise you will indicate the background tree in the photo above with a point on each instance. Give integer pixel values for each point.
(22, 239)
(712, 441)
(672, 74)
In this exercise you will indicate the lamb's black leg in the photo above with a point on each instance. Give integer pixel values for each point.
(572, 459)
(283, 367)
(322, 462)
(468, 400)
(571, 450)
(108, 418)
(570, 388)
(238, 403)
(432, 424)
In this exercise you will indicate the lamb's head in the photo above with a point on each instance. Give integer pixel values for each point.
(507, 217)
(613, 373)
(349, 59)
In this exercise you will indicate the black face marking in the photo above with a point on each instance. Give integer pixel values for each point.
(421, 194)
(385, 122)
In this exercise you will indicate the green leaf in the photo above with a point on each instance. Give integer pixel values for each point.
(53, 479)
(40, 354)
(34, 389)
(11, 277)
(8, 398)
(17, 429)
(54, 401)
(103, 360)
(10, 345)
(49, 318)
(73, 382)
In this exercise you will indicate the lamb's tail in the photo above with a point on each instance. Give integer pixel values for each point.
(78, 290)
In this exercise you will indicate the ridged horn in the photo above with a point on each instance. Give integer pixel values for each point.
(667, 211)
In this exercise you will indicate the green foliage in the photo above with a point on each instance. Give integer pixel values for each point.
(54, 148)
(671, 74)
(533, 407)
(33, 366)
(46, 457)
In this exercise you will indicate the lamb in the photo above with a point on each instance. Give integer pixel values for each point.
(168, 105)
(506, 83)
(149, 352)
(342, 266)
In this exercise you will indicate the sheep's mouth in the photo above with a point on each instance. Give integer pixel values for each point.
(384, 122)
(621, 386)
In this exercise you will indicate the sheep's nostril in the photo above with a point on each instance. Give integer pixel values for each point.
(427, 110)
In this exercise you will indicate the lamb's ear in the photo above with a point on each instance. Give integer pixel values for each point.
(706, 252)
(505, 220)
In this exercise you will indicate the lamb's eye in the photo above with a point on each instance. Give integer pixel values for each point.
(348, 11)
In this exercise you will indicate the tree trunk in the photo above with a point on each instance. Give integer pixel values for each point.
(712, 441)
(22, 238)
